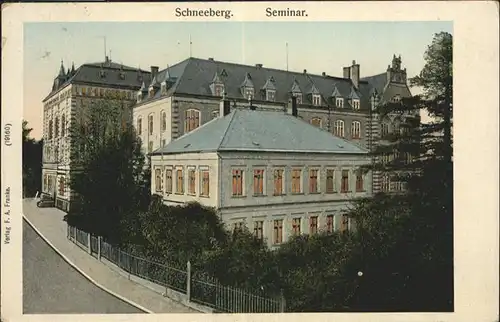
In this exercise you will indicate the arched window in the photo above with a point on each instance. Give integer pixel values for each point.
(191, 120)
(163, 121)
(356, 130)
(150, 124)
(316, 121)
(339, 128)
(139, 125)
(50, 129)
(62, 185)
(384, 129)
(63, 125)
(158, 178)
(56, 128)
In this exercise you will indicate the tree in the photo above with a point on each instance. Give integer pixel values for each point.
(110, 180)
(32, 162)
(415, 242)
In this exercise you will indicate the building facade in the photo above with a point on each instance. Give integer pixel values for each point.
(267, 170)
(72, 93)
(186, 95)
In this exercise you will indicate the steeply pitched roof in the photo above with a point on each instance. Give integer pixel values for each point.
(262, 131)
(115, 75)
(194, 76)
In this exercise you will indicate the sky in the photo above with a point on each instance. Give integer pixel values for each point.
(315, 46)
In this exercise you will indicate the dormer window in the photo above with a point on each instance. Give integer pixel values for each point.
(339, 102)
(298, 96)
(102, 74)
(219, 90)
(249, 93)
(316, 99)
(396, 99)
(355, 104)
(270, 95)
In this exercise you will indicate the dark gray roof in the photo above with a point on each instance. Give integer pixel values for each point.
(387, 90)
(194, 76)
(260, 131)
(115, 75)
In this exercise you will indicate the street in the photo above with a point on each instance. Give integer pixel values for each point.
(50, 285)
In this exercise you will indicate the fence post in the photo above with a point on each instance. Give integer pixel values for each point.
(188, 286)
(283, 302)
(89, 243)
(99, 238)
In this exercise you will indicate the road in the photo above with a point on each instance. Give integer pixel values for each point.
(51, 285)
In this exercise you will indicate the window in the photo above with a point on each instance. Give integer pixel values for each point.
(296, 226)
(395, 128)
(150, 146)
(316, 121)
(258, 229)
(356, 130)
(168, 181)
(278, 231)
(330, 181)
(344, 223)
(344, 185)
(339, 128)
(158, 180)
(63, 126)
(359, 182)
(191, 120)
(339, 102)
(191, 181)
(396, 99)
(313, 225)
(384, 130)
(249, 93)
(313, 181)
(50, 129)
(163, 121)
(386, 184)
(270, 95)
(278, 182)
(329, 223)
(355, 104)
(398, 186)
(258, 182)
(180, 182)
(237, 182)
(139, 126)
(150, 124)
(56, 128)
(62, 185)
(101, 92)
(316, 100)
(238, 226)
(296, 176)
(298, 96)
(205, 183)
(84, 90)
(219, 90)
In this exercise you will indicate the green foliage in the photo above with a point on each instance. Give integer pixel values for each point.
(111, 183)
(32, 163)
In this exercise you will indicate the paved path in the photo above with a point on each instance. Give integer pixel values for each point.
(50, 285)
(49, 223)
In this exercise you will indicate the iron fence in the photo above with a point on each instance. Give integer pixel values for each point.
(208, 291)
(82, 238)
(198, 286)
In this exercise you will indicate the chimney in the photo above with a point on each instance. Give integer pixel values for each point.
(355, 74)
(323, 74)
(258, 65)
(347, 72)
(305, 71)
(211, 58)
(154, 71)
(292, 106)
(224, 107)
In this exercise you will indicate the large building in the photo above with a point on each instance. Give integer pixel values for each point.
(186, 95)
(73, 91)
(267, 170)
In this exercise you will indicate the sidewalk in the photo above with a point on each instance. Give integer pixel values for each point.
(49, 223)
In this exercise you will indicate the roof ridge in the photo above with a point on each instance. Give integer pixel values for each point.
(227, 128)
